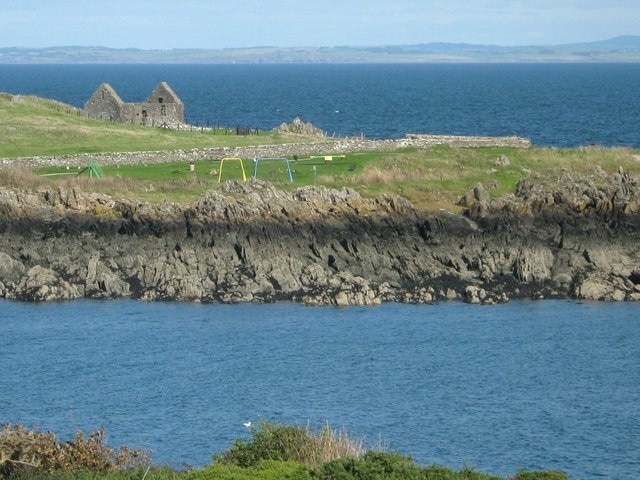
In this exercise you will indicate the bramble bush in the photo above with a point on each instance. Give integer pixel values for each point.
(32, 451)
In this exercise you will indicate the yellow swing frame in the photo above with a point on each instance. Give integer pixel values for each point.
(244, 175)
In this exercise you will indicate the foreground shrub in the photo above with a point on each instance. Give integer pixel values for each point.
(21, 449)
(29, 451)
(274, 441)
(372, 466)
(540, 475)
(274, 452)
(263, 470)
(393, 466)
(132, 474)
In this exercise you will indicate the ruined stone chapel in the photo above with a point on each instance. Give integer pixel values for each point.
(162, 108)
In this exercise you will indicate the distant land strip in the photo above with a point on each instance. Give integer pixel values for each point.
(623, 49)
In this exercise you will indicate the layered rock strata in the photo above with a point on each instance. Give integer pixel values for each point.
(252, 243)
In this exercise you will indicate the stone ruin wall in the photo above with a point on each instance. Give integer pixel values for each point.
(168, 115)
(162, 109)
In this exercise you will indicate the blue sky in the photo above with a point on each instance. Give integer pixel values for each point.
(164, 24)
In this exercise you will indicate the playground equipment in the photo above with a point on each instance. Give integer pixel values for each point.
(93, 169)
(256, 162)
(244, 175)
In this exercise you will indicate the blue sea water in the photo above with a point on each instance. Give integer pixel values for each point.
(537, 385)
(561, 105)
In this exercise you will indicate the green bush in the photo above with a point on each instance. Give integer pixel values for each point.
(274, 441)
(467, 473)
(372, 466)
(540, 475)
(263, 470)
(392, 466)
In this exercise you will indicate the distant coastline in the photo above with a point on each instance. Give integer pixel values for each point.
(623, 49)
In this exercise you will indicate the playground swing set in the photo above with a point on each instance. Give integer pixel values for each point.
(244, 175)
(256, 162)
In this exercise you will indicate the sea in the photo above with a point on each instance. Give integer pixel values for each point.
(561, 105)
(527, 385)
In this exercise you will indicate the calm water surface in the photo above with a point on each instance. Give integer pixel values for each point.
(553, 104)
(548, 384)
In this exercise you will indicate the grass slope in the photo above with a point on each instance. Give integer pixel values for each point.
(32, 126)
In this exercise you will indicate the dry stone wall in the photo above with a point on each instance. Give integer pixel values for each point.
(325, 147)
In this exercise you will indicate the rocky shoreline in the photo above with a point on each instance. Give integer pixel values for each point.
(253, 243)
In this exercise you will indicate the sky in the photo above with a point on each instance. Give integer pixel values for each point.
(168, 24)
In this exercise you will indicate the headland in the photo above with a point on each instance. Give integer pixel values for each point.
(517, 233)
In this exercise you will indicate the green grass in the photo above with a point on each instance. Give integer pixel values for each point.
(263, 470)
(437, 177)
(32, 126)
(374, 466)
(175, 180)
(430, 178)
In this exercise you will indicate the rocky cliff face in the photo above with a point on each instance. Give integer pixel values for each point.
(251, 242)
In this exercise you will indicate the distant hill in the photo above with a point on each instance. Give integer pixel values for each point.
(619, 49)
(626, 42)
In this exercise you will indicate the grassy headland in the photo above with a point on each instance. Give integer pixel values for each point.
(32, 126)
(430, 178)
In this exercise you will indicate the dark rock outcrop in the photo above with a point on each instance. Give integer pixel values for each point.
(251, 242)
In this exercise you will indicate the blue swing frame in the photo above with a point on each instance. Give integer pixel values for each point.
(256, 161)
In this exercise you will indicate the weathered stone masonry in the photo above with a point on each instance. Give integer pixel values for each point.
(163, 108)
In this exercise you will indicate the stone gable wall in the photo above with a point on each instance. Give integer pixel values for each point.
(104, 105)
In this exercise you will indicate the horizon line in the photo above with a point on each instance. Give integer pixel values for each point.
(496, 45)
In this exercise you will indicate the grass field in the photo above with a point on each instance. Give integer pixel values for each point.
(31, 126)
(430, 178)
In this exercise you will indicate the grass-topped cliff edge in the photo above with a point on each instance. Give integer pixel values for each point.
(431, 178)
